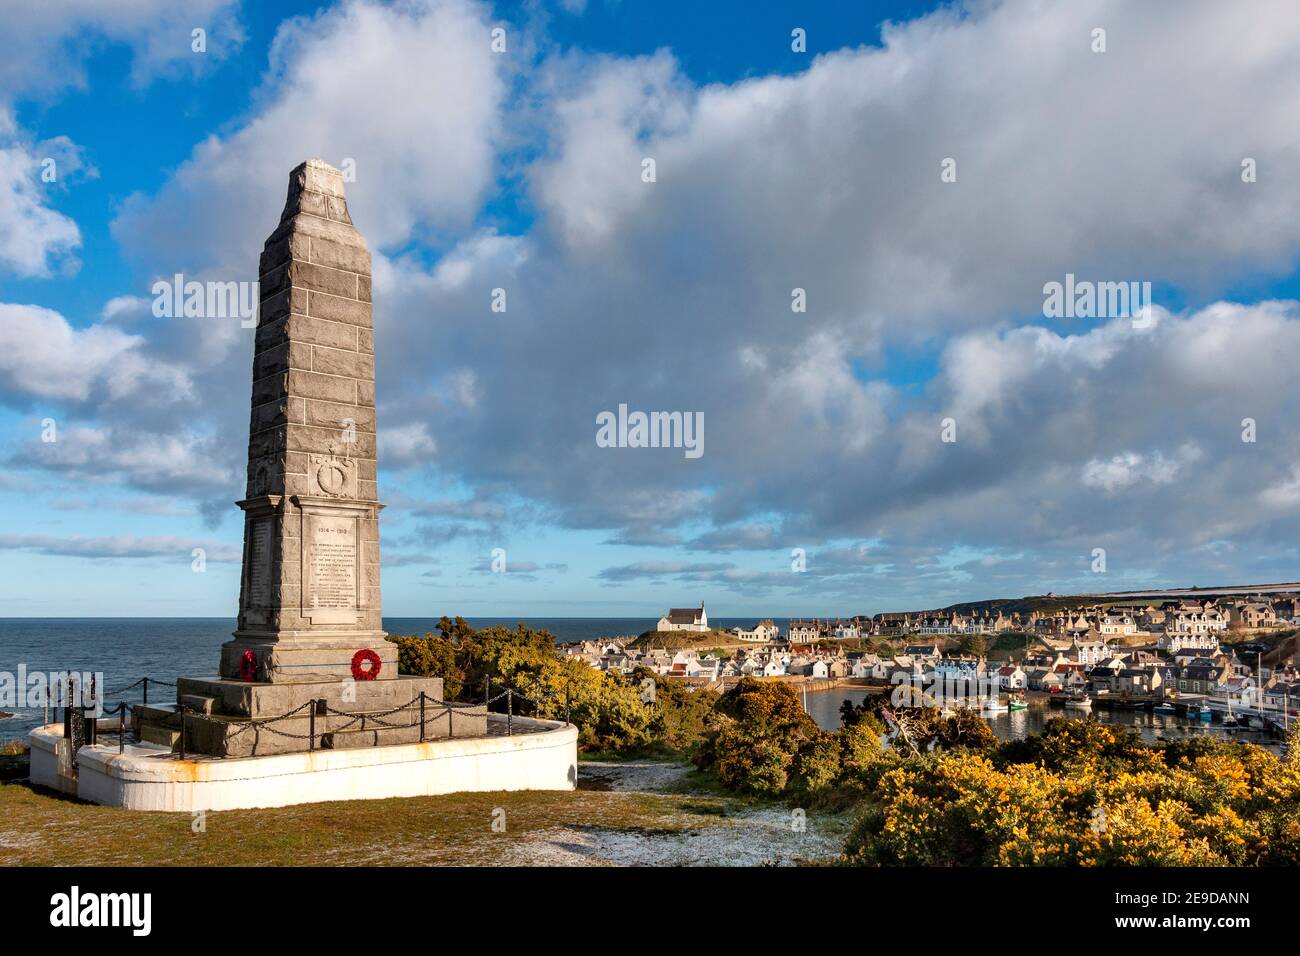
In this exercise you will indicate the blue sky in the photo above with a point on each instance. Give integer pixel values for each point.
(776, 170)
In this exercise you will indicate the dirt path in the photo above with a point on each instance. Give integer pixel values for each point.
(702, 829)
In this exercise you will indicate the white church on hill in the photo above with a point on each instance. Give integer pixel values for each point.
(684, 619)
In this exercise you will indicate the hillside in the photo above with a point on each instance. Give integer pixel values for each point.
(684, 640)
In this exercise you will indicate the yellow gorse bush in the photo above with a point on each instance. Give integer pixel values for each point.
(1093, 796)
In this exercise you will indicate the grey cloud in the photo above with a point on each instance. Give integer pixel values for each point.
(119, 546)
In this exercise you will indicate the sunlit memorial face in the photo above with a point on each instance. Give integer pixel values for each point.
(310, 596)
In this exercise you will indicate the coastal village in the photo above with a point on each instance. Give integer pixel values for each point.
(1209, 659)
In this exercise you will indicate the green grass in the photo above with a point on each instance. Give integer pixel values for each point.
(38, 827)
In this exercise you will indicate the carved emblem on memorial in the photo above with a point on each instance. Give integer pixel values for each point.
(260, 483)
(332, 476)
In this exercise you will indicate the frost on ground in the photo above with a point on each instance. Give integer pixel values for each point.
(641, 776)
(699, 829)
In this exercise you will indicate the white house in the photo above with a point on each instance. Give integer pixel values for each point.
(1178, 642)
(864, 667)
(847, 631)
(684, 619)
(1193, 622)
(803, 632)
(1117, 624)
(1011, 677)
(764, 632)
(1242, 691)
(958, 668)
(1088, 652)
(704, 667)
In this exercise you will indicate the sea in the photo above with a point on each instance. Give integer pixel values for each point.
(123, 649)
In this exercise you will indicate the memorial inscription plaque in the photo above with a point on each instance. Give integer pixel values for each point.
(330, 568)
(258, 593)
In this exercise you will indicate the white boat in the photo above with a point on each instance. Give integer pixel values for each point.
(994, 706)
(1082, 703)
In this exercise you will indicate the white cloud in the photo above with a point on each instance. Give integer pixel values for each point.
(1131, 468)
(403, 446)
(43, 357)
(46, 43)
(32, 235)
(143, 460)
(112, 547)
(1284, 495)
(125, 308)
(410, 93)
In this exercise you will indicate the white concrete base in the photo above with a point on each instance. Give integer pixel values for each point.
(149, 777)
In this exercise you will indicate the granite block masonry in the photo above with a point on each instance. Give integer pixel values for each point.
(309, 599)
(309, 595)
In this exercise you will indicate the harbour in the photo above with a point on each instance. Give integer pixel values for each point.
(1155, 726)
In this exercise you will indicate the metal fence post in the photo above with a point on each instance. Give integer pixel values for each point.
(146, 692)
(121, 727)
(92, 722)
(510, 711)
(67, 708)
(181, 708)
(421, 716)
(311, 726)
(451, 721)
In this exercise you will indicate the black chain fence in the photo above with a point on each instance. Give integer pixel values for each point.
(82, 727)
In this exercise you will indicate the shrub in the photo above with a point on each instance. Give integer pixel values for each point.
(1094, 797)
(608, 711)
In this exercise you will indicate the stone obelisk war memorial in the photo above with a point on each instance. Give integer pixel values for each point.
(308, 671)
(309, 607)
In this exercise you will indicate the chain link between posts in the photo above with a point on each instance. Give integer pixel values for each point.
(320, 707)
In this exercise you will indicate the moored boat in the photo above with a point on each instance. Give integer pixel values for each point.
(1083, 702)
(1230, 720)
